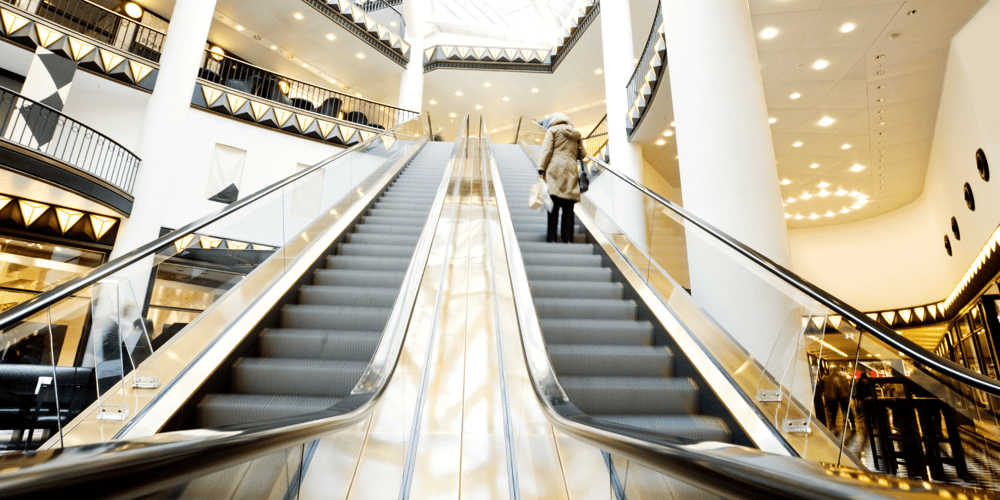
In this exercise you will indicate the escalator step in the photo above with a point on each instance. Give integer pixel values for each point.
(347, 296)
(296, 377)
(216, 410)
(567, 273)
(396, 228)
(589, 331)
(698, 427)
(368, 249)
(562, 259)
(366, 263)
(384, 239)
(318, 344)
(562, 248)
(549, 308)
(611, 360)
(344, 277)
(597, 290)
(334, 317)
(532, 236)
(632, 395)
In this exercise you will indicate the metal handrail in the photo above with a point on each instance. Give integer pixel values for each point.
(146, 466)
(725, 469)
(70, 142)
(37, 304)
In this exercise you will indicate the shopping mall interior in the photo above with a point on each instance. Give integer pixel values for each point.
(301, 249)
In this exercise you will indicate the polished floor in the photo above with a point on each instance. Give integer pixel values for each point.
(440, 430)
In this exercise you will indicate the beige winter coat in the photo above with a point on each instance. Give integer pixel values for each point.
(560, 151)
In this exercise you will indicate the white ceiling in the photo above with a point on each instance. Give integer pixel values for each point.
(890, 138)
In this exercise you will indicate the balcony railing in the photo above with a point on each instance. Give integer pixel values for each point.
(39, 128)
(249, 79)
(597, 138)
(384, 12)
(98, 23)
(642, 86)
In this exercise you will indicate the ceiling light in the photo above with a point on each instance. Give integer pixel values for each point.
(823, 193)
(785, 182)
(772, 120)
(797, 144)
(505, 99)
(393, 24)
(547, 116)
(829, 213)
(791, 200)
(826, 121)
(856, 206)
(798, 216)
(845, 146)
(239, 28)
(576, 109)
(486, 84)
(101, 224)
(788, 215)
(361, 55)
(459, 93)
(814, 216)
(217, 52)
(814, 165)
(534, 91)
(304, 65)
(132, 10)
(805, 196)
(769, 33)
(823, 185)
(796, 95)
(67, 218)
(820, 64)
(841, 192)
(298, 16)
(668, 133)
(845, 210)
(857, 167)
(331, 36)
(274, 47)
(660, 142)
(452, 115)
(478, 106)
(847, 28)
(433, 101)
(673, 124)
(598, 71)
(881, 123)
(854, 194)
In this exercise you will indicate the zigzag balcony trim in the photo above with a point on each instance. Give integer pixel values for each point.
(361, 25)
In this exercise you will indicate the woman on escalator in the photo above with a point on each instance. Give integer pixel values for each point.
(558, 166)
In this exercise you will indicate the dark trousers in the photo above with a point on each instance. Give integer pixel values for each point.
(567, 220)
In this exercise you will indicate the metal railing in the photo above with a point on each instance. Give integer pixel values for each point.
(98, 23)
(253, 80)
(384, 12)
(37, 127)
(638, 78)
(597, 138)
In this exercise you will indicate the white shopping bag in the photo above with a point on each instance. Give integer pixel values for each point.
(539, 196)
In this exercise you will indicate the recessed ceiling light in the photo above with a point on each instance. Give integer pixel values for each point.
(823, 185)
(813, 216)
(823, 193)
(452, 115)
(788, 216)
(820, 64)
(797, 144)
(798, 216)
(668, 133)
(660, 142)
(547, 116)
(673, 124)
(576, 109)
(478, 106)
(796, 95)
(486, 84)
(274, 47)
(768, 33)
(845, 210)
(361, 55)
(598, 71)
(534, 91)
(433, 101)
(393, 24)
(772, 120)
(459, 93)
(805, 196)
(845, 146)
(814, 165)
(857, 167)
(298, 16)
(847, 28)
(505, 99)
(239, 27)
(841, 192)
(854, 194)
(791, 200)
(785, 182)
(331, 36)
(826, 121)
(829, 213)
(304, 65)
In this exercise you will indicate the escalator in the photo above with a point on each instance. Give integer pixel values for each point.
(326, 334)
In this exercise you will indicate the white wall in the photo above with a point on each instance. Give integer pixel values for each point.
(898, 259)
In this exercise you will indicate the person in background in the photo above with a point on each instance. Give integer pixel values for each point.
(837, 393)
(561, 149)
(819, 406)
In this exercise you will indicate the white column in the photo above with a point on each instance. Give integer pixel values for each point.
(625, 206)
(159, 140)
(411, 85)
(727, 168)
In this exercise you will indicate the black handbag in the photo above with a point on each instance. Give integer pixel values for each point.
(584, 180)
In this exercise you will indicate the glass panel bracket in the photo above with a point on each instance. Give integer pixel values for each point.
(796, 426)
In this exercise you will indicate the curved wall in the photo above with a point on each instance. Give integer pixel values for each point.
(899, 259)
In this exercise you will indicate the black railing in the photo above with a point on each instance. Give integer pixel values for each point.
(37, 127)
(642, 68)
(384, 12)
(597, 138)
(250, 79)
(98, 23)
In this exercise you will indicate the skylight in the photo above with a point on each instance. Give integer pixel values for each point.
(526, 21)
